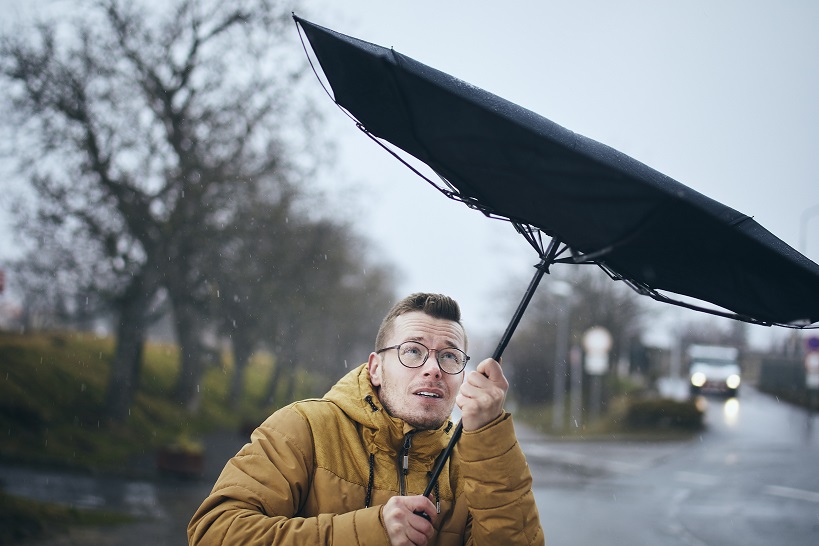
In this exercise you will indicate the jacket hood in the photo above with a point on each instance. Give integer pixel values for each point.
(355, 396)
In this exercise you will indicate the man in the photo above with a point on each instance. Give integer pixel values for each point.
(350, 469)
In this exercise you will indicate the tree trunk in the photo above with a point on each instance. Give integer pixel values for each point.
(290, 392)
(242, 351)
(284, 370)
(124, 379)
(191, 356)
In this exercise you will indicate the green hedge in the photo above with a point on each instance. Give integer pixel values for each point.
(664, 413)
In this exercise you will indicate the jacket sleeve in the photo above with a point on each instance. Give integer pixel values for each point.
(498, 487)
(261, 490)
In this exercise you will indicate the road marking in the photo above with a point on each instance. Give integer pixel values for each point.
(548, 454)
(696, 478)
(790, 493)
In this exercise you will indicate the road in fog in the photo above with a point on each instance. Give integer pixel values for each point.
(751, 479)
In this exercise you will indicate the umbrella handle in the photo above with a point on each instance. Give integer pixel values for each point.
(542, 268)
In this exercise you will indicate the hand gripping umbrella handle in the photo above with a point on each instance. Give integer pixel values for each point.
(542, 268)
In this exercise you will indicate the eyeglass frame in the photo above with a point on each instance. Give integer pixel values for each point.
(437, 352)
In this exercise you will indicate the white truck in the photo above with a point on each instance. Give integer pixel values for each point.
(713, 369)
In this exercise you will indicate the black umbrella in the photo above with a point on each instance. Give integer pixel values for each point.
(597, 205)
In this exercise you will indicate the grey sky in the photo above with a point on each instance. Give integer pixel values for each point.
(721, 96)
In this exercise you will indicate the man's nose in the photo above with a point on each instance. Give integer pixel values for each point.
(431, 365)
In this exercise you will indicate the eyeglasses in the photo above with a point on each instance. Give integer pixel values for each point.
(413, 355)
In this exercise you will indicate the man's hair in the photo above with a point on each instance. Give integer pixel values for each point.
(434, 305)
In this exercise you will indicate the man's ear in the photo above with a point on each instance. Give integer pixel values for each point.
(374, 366)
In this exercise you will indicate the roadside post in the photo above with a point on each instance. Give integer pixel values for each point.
(812, 371)
(597, 344)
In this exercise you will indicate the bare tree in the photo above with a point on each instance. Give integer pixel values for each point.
(595, 300)
(141, 131)
(302, 287)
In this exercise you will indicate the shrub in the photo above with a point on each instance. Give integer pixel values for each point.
(664, 413)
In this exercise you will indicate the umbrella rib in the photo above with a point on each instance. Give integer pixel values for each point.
(645, 290)
(313, 67)
(324, 87)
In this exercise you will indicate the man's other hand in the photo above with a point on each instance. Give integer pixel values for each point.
(404, 526)
(482, 395)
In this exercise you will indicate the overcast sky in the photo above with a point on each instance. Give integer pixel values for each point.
(722, 96)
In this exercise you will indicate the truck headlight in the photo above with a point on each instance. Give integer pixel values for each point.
(732, 382)
(698, 379)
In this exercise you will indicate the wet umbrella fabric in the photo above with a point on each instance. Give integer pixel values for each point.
(638, 224)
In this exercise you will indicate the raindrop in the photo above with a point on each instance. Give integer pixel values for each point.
(345, 363)
(217, 294)
(197, 388)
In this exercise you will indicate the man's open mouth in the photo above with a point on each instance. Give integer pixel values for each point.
(429, 394)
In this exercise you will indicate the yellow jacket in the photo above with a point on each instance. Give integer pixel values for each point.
(318, 471)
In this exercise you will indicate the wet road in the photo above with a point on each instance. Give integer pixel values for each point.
(749, 479)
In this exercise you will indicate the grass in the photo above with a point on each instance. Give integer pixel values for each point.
(628, 416)
(22, 519)
(52, 393)
(52, 396)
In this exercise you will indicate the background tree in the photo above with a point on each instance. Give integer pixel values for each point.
(141, 131)
(298, 286)
(594, 300)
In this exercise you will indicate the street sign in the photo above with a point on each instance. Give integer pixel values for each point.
(812, 370)
(597, 343)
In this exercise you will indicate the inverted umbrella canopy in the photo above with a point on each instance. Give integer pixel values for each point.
(604, 206)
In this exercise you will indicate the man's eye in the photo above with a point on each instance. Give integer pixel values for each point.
(449, 355)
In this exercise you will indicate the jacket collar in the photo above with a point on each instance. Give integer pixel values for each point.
(355, 395)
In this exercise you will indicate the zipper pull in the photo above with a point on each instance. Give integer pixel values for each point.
(407, 445)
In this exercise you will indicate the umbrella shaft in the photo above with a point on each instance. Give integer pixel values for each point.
(542, 268)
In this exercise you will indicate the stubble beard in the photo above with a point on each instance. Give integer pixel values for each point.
(416, 419)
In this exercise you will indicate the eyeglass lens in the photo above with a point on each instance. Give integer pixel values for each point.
(413, 355)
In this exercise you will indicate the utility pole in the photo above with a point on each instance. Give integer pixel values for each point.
(807, 214)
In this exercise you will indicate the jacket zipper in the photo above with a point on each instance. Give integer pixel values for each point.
(403, 464)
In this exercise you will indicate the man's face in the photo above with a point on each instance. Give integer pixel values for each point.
(423, 397)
